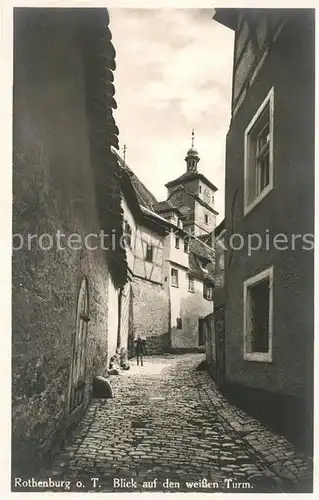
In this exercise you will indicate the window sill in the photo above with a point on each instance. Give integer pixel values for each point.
(261, 357)
(191, 291)
(175, 286)
(253, 204)
(209, 300)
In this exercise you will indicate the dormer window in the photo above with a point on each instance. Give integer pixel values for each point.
(200, 189)
(206, 218)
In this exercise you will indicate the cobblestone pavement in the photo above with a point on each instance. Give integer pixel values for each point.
(168, 422)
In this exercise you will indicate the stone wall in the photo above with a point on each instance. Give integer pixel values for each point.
(201, 226)
(151, 314)
(185, 202)
(53, 189)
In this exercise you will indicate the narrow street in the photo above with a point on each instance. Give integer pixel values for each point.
(168, 422)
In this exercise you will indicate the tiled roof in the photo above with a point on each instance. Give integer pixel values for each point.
(165, 206)
(144, 196)
(98, 56)
(201, 256)
(210, 237)
(151, 213)
(201, 259)
(206, 238)
(190, 176)
(142, 214)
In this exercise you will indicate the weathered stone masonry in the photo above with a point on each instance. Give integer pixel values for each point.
(151, 314)
(56, 170)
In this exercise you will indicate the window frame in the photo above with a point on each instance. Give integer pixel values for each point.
(206, 218)
(151, 247)
(191, 280)
(265, 357)
(177, 241)
(210, 287)
(268, 101)
(177, 280)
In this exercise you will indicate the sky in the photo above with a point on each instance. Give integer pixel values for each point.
(174, 71)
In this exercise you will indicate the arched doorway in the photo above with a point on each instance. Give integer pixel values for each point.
(79, 347)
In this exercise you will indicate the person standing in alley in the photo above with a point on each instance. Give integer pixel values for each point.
(140, 349)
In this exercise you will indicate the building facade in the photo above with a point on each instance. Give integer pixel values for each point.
(171, 269)
(189, 258)
(189, 281)
(63, 172)
(145, 236)
(215, 322)
(270, 202)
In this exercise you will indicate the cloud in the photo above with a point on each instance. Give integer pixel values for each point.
(173, 73)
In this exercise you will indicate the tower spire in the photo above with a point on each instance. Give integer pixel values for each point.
(192, 157)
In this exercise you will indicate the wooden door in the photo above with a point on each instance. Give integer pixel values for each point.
(79, 347)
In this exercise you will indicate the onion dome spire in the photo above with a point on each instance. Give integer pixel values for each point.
(192, 157)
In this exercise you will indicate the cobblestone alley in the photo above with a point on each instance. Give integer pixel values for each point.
(167, 422)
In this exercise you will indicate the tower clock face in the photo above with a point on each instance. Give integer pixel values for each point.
(206, 195)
